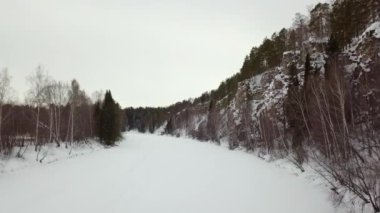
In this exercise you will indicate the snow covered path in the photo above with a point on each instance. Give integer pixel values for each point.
(149, 173)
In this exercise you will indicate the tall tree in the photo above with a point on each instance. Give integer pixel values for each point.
(4, 94)
(36, 96)
(212, 121)
(74, 98)
(109, 120)
(293, 114)
(307, 71)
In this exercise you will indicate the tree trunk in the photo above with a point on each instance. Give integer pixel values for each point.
(37, 123)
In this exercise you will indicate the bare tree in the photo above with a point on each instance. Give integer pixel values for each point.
(36, 96)
(4, 95)
(246, 120)
(60, 99)
(231, 128)
(55, 96)
(80, 123)
(73, 99)
(212, 121)
(97, 96)
(345, 143)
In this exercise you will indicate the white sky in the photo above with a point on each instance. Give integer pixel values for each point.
(147, 52)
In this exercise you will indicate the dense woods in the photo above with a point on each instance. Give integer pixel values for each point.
(309, 93)
(53, 112)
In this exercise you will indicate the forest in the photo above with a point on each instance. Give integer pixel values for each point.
(310, 94)
(55, 112)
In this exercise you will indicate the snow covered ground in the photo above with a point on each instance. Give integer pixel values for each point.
(150, 173)
(49, 153)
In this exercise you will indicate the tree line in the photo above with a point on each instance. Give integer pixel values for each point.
(54, 112)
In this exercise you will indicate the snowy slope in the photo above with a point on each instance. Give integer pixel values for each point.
(150, 173)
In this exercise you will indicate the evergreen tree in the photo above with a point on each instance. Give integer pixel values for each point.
(280, 45)
(108, 120)
(246, 71)
(169, 126)
(294, 82)
(332, 45)
(333, 51)
(293, 114)
(307, 71)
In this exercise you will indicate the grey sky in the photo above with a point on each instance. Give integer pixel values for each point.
(148, 52)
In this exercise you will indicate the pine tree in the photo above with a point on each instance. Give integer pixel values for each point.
(332, 45)
(307, 71)
(280, 45)
(333, 52)
(293, 114)
(246, 70)
(169, 126)
(109, 120)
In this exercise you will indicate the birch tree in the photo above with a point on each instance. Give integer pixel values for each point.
(36, 97)
(73, 100)
(4, 94)
(55, 93)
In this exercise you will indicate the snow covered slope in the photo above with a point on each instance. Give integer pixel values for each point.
(150, 173)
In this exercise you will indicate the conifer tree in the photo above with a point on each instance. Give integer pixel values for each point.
(109, 120)
(333, 51)
(169, 126)
(246, 70)
(332, 45)
(293, 114)
(307, 71)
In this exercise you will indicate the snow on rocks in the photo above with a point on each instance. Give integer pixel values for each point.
(374, 29)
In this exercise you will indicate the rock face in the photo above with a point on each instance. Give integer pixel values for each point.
(256, 107)
(291, 57)
(255, 115)
(327, 110)
(362, 67)
(320, 22)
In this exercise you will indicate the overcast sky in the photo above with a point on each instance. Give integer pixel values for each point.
(147, 52)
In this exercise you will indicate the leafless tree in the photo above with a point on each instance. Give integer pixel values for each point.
(232, 131)
(97, 96)
(36, 96)
(4, 96)
(56, 96)
(343, 137)
(73, 100)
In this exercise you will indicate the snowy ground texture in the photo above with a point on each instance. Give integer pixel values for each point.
(150, 173)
